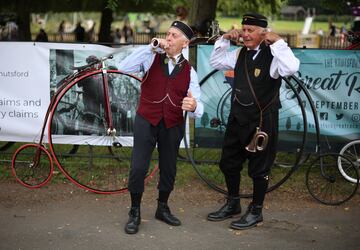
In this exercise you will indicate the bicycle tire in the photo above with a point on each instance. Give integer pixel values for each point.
(352, 151)
(32, 165)
(95, 167)
(205, 160)
(326, 183)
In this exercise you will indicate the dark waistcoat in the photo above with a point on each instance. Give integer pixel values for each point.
(162, 94)
(243, 105)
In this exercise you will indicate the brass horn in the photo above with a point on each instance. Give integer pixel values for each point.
(155, 43)
(258, 142)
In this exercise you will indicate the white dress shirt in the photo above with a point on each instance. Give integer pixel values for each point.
(141, 60)
(284, 62)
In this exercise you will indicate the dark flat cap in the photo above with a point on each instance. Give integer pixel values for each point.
(184, 28)
(255, 19)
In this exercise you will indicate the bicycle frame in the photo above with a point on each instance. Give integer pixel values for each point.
(97, 68)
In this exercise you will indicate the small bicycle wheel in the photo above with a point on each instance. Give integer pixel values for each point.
(32, 165)
(326, 183)
(352, 152)
(102, 161)
(209, 132)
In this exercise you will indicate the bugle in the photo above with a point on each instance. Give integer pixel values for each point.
(258, 142)
(155, 43)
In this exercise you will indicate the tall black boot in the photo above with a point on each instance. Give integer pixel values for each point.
(251, 218)
(231, 208)
(132, 226)
(163, 213)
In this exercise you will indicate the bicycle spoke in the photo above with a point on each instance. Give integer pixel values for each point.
(32, 165)
(326, 183)
(101, 163)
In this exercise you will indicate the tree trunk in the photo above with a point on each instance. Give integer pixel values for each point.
(23, 20)
(105, 26)
(201, 14)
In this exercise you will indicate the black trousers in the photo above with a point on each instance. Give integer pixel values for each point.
(234, 154)
(146, 136)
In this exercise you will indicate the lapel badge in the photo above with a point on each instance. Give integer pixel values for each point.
(166, 60)
(257, 72)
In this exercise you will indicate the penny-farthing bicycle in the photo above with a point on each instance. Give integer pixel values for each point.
(102, 132)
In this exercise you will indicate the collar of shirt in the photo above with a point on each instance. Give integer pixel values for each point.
(171, 66)
(177, 57)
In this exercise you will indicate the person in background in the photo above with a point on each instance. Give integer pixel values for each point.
(61, 30)
(90, 34)
(258, 66)
(128, 32)
(117, 36)
(170, 86)
(79, 33)
(41, 36)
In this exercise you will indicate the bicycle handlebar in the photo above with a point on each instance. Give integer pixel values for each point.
(95, 62)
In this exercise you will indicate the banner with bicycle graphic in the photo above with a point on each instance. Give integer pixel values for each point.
(30, 75)
(330, 76)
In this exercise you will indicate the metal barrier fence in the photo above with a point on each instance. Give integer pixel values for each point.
(325, 42)
(138, 38)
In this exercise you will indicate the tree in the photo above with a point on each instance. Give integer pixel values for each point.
(288, 123)
(326, 6)
(23, 8)
(105, 25)
(205, 119)
(237, 8)
(202, 12)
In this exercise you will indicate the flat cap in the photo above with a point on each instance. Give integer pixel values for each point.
(184, 28)
(255, 19)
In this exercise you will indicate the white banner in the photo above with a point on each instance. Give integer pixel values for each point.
(30, 74)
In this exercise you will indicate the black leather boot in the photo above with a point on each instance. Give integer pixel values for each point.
(251, 218)
(163, 213)
(132, 226)
(231, 208)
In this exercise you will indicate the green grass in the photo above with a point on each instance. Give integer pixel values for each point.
(279, 26)
(225, 23)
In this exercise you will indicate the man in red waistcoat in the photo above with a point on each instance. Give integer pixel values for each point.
(170, 86)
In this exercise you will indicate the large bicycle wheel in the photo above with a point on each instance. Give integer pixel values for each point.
(32, 165)
(352, 152)
(326, 183)
(205, 149)
(95, 167)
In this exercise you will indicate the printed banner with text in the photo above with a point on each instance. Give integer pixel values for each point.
(331, 77)
(30, 75)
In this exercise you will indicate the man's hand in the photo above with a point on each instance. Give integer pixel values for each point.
(189, 103)
(269, 37)
(233, 35)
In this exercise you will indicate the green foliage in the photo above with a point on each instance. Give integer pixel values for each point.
(112, 4)
(279, 26)
(334, 18)
(325, 6)
(230, 8)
